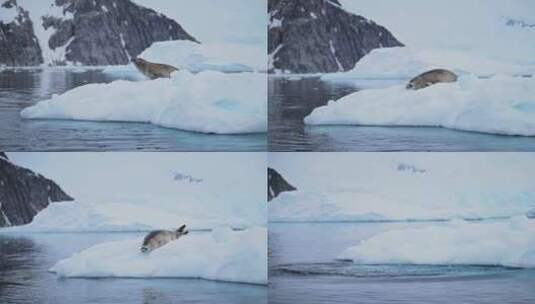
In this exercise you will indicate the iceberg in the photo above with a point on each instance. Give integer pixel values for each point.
(408, 62)
(498, 105)
(207, 102)
(222, 255)
(496, 243)
(223, 57)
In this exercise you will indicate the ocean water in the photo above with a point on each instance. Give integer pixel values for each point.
(290, 100)
(20, 88)
(303, 268)
(24, 277)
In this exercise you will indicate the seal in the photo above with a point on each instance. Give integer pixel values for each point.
(431, 77)
(154, 70)
(157, 238)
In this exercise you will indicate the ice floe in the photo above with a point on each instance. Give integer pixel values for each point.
(505, 243)
(500, 105)
(208, 102)
(223, 255)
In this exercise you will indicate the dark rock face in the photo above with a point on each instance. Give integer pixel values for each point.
(24, 193)
(108, 32)
(277, 184)
(319, 36)
(18, 44)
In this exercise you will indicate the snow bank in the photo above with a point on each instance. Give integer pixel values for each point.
(500, 105)
(119, 217)
(223, 255)
(208, 102)
(360, 205)
(510, 243)
(403, 186)
(301, 206)
(195, 57)
(406, 62)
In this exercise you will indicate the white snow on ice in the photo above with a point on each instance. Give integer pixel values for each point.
(208, 102)
(223, 57)
(501, 243)
(499, 105)
(222, 255)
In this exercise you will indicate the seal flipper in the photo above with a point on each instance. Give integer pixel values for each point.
(182, 230)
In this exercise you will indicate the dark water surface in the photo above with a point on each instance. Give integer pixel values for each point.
(303, 268)
(20, 88)
(24, 277)
(290, 100)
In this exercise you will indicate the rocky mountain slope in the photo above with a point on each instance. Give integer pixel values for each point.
(18, 43)
(24, 193)
(319, 36)
(97, 32)
(277, 184)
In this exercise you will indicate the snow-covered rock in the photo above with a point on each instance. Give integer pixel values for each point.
(319, 36)
(223, 255)
(97, 32)
(277, 184)
(24, 193)
(18, 43)
(407, 62)
(499, 105)
(223, 57)
(507, 243)
(208, 102)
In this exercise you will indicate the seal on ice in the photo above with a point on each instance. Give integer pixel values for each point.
(157, 238)
(431, 77)
(154, 70)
